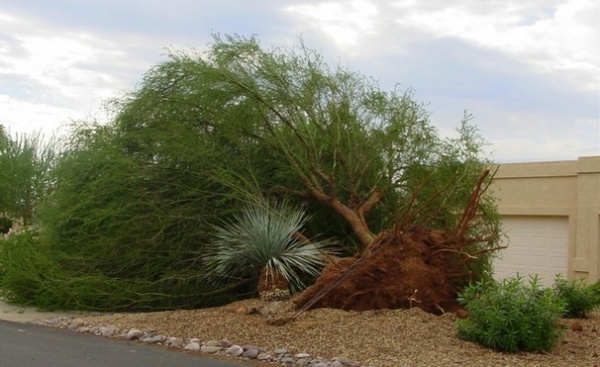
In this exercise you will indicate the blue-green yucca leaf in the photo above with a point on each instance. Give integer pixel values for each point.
(263, 236)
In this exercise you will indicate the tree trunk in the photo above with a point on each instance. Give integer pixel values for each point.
(356, 221)
(272, 286)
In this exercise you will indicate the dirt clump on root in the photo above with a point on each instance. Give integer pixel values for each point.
(400, 270)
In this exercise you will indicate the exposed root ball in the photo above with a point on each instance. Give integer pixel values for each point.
(401, 270)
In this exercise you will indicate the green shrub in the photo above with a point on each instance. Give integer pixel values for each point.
(596, 289)
(579, 297)
(5, 225)
(261, 240)
(511, 316)
(33, 273)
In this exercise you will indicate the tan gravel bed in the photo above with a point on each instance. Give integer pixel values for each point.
(386, 338)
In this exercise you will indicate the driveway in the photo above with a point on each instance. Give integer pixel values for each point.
(27, 314)
(26, 345)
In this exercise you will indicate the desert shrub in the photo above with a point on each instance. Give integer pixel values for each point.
(596, 289)
(25, 164)
(511, 315)
(5, 225)
(579, 297)
(262, 240)
(125, 226)
(33, 273)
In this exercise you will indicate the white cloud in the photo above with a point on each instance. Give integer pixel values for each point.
(536, 135)
(345, 22)
(512, 149)
(72, 65)
(26, 117)
(59, 63)
(52, 75)
(551, 35)
(521, 67)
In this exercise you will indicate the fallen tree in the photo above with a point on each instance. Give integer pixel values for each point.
(367, 163)
(406, 267)
(137, 199)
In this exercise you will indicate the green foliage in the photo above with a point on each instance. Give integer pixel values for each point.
(579, 297)
(596, 289)
(123, 214)
(326, 135)
(511, 316)
(134, 203)
(262, 236)
(34, 274)
(5, 225)
(26, 162)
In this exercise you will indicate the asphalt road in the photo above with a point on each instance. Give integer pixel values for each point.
(26, 345)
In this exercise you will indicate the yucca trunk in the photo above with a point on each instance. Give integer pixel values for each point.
(272, 286)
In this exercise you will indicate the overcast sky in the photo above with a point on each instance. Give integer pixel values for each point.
(528, 70)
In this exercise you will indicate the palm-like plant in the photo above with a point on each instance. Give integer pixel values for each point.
(263, 241)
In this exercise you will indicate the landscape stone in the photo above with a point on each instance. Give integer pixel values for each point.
(192, 346)
(288, 360)
(175, 342)
(133, 334)
(280, 356)
(225, 343)
(235, 350)
(264, 357)
(210, 349)
(343, 360)
(152, 339)
(106, 331)
(250, 353)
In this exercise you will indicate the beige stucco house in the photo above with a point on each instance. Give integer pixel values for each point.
(551, 216)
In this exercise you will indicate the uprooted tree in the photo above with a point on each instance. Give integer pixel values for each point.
(413, 203)
(406, 267)
(136, 200)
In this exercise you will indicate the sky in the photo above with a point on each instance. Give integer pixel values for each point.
(527, 71)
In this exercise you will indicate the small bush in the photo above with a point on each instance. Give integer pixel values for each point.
(579, 298)
(596, 289)
(5, 225)
(511, 316)
(33, 273)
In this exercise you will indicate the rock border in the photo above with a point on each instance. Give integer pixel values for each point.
(279, 356)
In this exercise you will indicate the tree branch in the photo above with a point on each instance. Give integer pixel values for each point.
(471, 208)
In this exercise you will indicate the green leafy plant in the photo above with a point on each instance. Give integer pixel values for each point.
(511, 316)
(26, 162)
(579, 297)
(124, 226)
(34, 273)
(133, 202)
(263, 241)
(5, 225)
(596, 290)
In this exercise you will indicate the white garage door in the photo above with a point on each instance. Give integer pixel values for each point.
(536, 245)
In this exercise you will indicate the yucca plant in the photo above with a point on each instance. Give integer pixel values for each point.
(263, 241)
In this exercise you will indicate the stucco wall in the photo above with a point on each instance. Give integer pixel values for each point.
(564, 188)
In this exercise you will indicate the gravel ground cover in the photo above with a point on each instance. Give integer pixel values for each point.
(383, 338)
